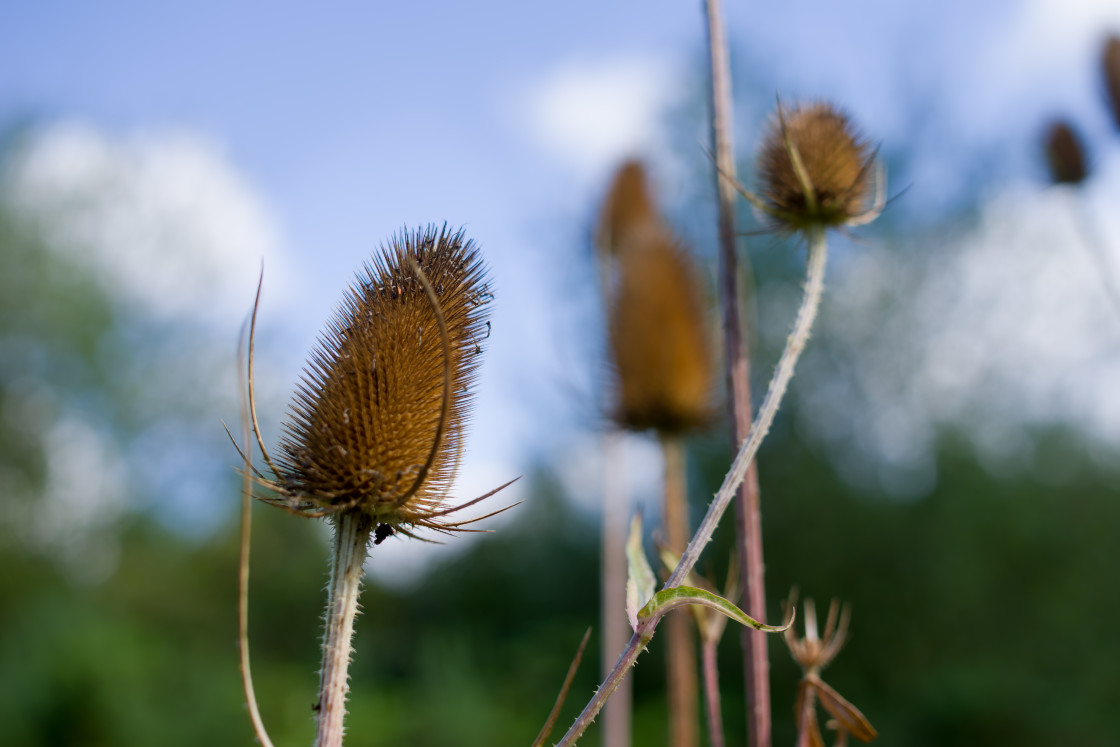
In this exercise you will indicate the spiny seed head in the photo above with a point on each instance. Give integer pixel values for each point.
(1064, 154)
(1110, 62)
(658, 335)
(835, 185)
(368, 430)
(627, 207)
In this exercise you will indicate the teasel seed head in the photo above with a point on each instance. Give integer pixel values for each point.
(377, 423)
(658, 335)
(1064, 154)
(816, 172)
(628, 206)
(1110, 62)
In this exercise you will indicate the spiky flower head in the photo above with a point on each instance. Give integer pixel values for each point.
(815, 171)
(377, 423)
(1064, 154)
(1110, 62)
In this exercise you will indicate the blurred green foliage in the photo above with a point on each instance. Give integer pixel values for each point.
(984, 613)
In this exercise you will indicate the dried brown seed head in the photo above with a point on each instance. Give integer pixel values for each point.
(658, 335)
(1064, 154)
(628, 207)
(815, 171)
(369, 427)
(1110, 62)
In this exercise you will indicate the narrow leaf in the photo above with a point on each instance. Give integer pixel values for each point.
(640, 582)
(669, 599)
(850, 718)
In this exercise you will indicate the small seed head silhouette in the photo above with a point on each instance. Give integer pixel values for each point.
(1064, 154)
(1110, 63)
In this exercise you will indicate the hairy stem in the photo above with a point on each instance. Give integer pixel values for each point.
(713, 709)
(683, 689)
(616, 716)
(748, 516)
(348, 553)
(814, 285)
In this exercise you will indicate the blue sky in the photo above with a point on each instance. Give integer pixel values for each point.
(340, 123)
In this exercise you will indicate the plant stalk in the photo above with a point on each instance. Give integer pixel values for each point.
(748, 516)
(683, 689)
(710, 663)
(814, 286)
(617, 714)
(348, 554)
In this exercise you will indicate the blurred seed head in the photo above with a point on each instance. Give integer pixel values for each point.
(628, 206)
(1064, 154)
(367, 428)
(832, 186)
(658, 335)
(1110, 62)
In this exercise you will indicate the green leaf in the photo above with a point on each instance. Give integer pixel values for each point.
(669, 599)
(640, 582)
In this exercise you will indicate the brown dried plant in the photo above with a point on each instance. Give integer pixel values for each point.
(376, 425)
(815, 171)
(813, 653)
(375, 429)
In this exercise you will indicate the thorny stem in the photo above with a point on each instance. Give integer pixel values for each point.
(348, 553)
(814, 286)
(710, 662)
(684, 726)
(748, 515)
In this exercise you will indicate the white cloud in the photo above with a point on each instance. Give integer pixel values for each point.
(589, 115)
(162, 219)
(992, 331)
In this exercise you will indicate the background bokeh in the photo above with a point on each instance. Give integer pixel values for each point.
(947, 462)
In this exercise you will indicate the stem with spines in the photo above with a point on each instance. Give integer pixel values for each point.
(348, 555)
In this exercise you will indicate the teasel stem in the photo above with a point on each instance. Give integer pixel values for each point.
(617, 714)
(709, 661)
(684, 726)
(795, 343)
(748, 515)
(348, 555)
